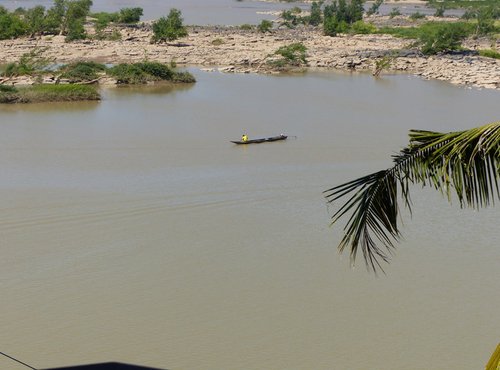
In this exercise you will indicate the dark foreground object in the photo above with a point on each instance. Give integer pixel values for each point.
(106, 366)
(264, 140)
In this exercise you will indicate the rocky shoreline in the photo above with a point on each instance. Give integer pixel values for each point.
(230, 49)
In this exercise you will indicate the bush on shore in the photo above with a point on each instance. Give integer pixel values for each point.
(82, 71)
(144, 72)
(289, 57)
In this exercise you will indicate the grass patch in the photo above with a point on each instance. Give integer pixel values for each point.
(360, 27)
(50, 93)
(489, 53)
(7, 89)
(457, 4)
(424, 29)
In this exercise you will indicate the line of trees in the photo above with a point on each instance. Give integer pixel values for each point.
(346, 16)
(68, 18)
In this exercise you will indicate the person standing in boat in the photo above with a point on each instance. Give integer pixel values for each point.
(244, 138)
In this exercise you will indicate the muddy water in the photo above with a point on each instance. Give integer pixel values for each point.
(132, 230)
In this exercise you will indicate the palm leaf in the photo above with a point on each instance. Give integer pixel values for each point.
(467, 162)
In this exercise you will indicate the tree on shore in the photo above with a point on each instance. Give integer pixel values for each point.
(74, 19)
(11, 26)
(35, 20)
(130, 15)
(466, 163)
(169, 28)
(340, 15)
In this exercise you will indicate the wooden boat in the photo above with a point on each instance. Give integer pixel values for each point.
(263, 140)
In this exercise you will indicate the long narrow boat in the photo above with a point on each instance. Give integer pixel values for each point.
(263, 140)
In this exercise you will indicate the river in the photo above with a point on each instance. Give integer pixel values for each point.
(212, 12)
(132, 230)
(199, 12)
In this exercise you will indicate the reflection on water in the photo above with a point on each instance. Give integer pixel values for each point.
(132, 230)
(44, 107)
(151, 89)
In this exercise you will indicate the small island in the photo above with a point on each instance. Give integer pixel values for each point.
(35, 82)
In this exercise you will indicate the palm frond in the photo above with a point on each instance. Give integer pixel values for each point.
(466, 161)
(374, 208)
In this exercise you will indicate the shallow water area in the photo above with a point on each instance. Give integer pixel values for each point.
(132, 230)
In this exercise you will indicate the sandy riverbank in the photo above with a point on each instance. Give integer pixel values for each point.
(245, 51)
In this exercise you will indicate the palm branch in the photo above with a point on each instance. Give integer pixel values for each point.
(466, 163)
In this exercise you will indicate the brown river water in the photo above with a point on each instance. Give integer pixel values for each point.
(132, 230)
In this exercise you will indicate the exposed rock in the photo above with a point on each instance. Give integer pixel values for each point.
(246, 51)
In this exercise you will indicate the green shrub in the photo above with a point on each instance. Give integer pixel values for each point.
(140, 73)
(489, 53)
(103, 19)
(293, 55)
(340, 15)
(290, 18)
(170, 28)
(130, 15)
(417, 15)
(361, 27)
(183, 77)
(443, 37)
(265, 26)
(157, 70)
(485, 21)
(315, 17)
(246, 27)
(128, 74)
(11, 25)
(35, 20)
(73, 16)
(76, 31)
(81, 71)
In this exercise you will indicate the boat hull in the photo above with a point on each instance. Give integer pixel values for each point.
(263, 140)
